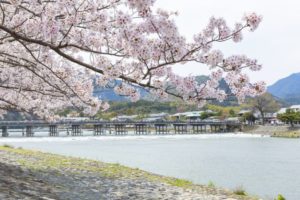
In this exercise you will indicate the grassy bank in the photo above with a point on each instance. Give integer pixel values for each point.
(286, 134)
(274, 131)
(43, 162)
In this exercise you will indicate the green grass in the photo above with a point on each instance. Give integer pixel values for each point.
(240, 191)
(280, 197)
(8, 146)
(211, 184)
(287, 134)
(180, 183)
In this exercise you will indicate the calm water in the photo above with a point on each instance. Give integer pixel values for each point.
(263, 166)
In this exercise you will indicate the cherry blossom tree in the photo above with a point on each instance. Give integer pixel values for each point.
(52, 50)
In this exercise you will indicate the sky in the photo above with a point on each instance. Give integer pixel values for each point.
(275, 44)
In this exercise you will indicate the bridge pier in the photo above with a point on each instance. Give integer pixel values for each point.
(198, 128)
(76, 130)
(180, 128)
(109, 128)
(4, 131)
(217, 128)
(233, 128)
(223, 128)
(98, 129)
(120, 129)
(213, 128)
(161, 129)
(53, 130)
(29, 131)
(141, 129)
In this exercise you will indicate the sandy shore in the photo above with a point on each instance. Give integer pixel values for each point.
(28, 175)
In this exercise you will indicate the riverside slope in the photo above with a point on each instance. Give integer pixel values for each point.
(30, 175)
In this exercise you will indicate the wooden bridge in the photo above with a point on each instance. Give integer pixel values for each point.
(77, 128)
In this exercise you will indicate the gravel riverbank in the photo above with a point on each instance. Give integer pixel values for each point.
(30, 175)
(284, 131)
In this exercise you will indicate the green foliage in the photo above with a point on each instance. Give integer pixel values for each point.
(8, 146)
(224, 111)
(264, 103)
(204, 115)
(249, 117)
(211, 184)
(146, 107)
(280, 197)
(143, 108)
(179, 182)
(106, 115)
(141, 116)
(289, 116)
(240, 191)
(232, 113)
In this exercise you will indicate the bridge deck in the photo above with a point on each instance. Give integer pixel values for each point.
(77, 128)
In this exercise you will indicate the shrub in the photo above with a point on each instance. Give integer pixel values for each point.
(280, 197)
(8, 146)
(211, 184)
(240, 191)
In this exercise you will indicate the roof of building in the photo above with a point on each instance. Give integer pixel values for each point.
(191, 113)
(74, 118)
(245, 111)
(151, 119)
(232, 119)
(282, 110)
(295, 107)
(125, 117)
(162, 114)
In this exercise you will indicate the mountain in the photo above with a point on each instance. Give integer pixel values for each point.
(109, 95)
(287, 89)
(222, 84)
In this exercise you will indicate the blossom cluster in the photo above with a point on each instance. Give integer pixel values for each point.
(52, 52)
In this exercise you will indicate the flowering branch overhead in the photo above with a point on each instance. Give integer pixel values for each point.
(51, 51)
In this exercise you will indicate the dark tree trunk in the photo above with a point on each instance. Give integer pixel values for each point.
(262, 116)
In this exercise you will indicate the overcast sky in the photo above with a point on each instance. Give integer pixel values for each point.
(276, 43)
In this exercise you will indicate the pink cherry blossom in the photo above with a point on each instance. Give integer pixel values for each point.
(53, 52)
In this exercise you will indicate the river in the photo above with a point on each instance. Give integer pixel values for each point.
(263, 166)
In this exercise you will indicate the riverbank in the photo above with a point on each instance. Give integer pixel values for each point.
(274, 131)
(26, 174)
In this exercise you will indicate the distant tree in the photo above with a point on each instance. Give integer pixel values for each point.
(106, 115)
(264, 103)
(224, 111)
(141, 116)
(249, 117)
(232, 113)
(289, 116)
(129, 111)
(205, 115)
